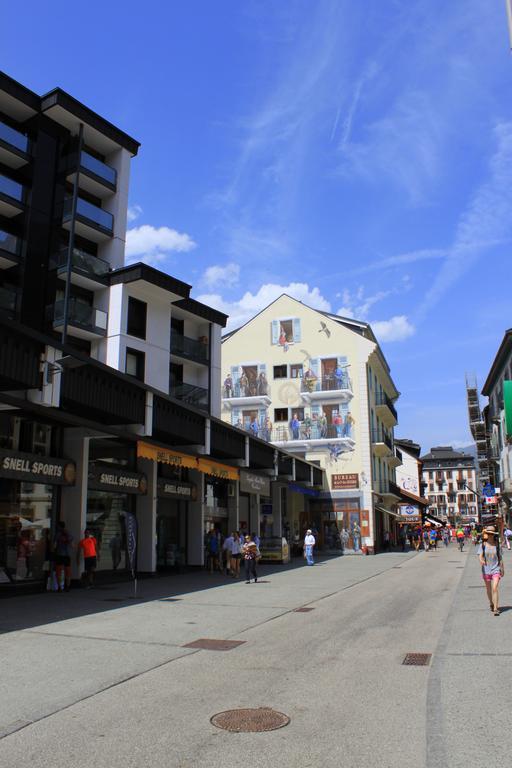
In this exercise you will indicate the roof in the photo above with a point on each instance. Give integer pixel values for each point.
(140, 271)
(446, 453)
(202, 310)
(408, 445)
(503, 355)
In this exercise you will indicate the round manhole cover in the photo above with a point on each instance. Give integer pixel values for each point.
(250, 720)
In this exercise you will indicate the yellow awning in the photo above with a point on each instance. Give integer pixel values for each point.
(222, 471)
(165, 456)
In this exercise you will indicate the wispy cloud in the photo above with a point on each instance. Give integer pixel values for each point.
(227, 275)
(154, 244)
(397, 328)
(134, 211)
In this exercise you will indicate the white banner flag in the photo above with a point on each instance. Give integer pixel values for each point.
(509, 15)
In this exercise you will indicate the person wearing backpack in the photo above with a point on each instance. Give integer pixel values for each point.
(491, 560)
(63, 544)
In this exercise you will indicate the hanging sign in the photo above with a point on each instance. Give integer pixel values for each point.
(104, 478)
(340, 482)
(252, 483)
(176, 489)
(33, 468)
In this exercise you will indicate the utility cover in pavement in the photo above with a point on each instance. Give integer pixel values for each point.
(303, 610)
(250, 720)
(417, 659)
(214, 645)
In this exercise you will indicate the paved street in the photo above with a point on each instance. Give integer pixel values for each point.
(89, 679)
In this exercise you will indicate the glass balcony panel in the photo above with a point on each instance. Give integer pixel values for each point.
(281, 433)
(80, 313)
(9, 243)
(82, 260)
(8, 298)
(89, 211)
(11, 188)
(186, 347)
(13, 137)
(99, 168)
(190, 393)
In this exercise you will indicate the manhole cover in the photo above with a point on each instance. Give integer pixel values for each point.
(417, 659)
(303, 610)
(214, 645)
(250, 720)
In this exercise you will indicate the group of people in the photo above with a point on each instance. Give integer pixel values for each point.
(247, 385)
(226, 554)
(60, 553)
(338, 379)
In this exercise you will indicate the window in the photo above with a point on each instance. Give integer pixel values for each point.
(135, 363)
(137, 311)
(431, 475)
(280, 371)
(295, 371)
(431, 486)
(280, 414)
(286, 332)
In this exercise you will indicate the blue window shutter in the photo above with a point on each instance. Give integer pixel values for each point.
(262, 415)
(235, 415)
(296, 329)
(275, 331)
(342, 360)
(344, 409)
(316, 410)
(262, 368)
(315, 365)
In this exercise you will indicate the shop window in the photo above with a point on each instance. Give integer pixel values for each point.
(135, 363)
(296, 371)
(280, 371)
(281, 414)
(286, 332)
(137, 316)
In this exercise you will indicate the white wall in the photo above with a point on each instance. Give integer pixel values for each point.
(113, 250)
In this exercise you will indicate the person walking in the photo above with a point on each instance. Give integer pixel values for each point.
(250, 554)
(89, 546)
(309, 544)
(426, 539)
(446, 536)
(227, 549)
(433, 538)
(62, 545)
(507, 533)
(236, 554)
(490, 557)
(461, 538)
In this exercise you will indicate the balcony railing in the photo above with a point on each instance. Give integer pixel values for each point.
(81, 315)
(11, 188)
(383, 399)
(92, 213)
(98, 168)
(9, 243)
(329, 383)
(258, 388)
(83, 261)
(281, 433)
(189, 348)
(190, 393)
(378, 436)
(387, 488)
(10, 136)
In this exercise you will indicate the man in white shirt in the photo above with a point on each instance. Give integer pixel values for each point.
(228, 551)
(309, 543)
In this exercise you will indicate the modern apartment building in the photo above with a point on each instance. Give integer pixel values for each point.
(109, 373)
(319, 385)
(451, 484)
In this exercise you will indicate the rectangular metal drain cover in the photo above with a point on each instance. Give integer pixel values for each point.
(214, 645)
(417, 659)
(303, 610)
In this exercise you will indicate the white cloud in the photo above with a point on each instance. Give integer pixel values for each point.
(134, 211)
(250, 304)
(397, 328)
(153, 244)
(227, 275)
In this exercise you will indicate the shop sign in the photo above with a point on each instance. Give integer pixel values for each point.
(102, 478)
(176, 489)
(215, 469)
(165, 456)
(304, 491)
(32, 468)
(251, 483)
(409, 513)
(340, 482)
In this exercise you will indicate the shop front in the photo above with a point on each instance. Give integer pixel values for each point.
(112, 490)
(173, 496)
(29, 498)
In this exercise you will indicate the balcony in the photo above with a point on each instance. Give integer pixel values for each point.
(308, 436)
(13, 147)
(84, 321)
(385, 410)
(382, 444)
(255, 393)
(191, 394)
(338, 388)
(87, 271)
(96, 177)
(91, 222)
(11, 197)
(8, 301)
(10, 249)
(189, 349)
(395, 460)
(387, 488)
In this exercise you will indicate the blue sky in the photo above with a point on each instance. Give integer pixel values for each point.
(357, 155)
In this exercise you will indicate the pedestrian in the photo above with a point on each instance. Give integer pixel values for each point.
(236, 554)
(387, 540)
(62, 545)
(416, 538)
(250, 553)
(446, 536)
(309, 544)
(426, 539)
(461, 538)
(356, 536)
(489, 555)
(115, 550)
(213, 551)
(256, 539)
(433, 538)
(344, 537)
(507, 533)
(89, 546)
(227, 549)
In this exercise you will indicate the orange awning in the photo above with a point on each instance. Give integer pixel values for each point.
(165, 455)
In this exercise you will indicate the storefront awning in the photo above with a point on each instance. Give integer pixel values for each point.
(177, 459)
